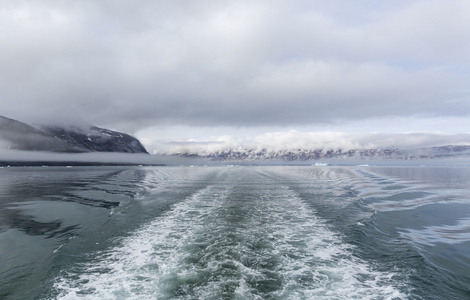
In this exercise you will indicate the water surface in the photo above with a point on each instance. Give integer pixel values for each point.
(235, 233)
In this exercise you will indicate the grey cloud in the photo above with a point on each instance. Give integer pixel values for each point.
(129, 65)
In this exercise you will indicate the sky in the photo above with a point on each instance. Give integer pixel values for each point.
(241, 73)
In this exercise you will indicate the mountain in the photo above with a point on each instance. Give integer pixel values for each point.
(318, 154)
(70, 139)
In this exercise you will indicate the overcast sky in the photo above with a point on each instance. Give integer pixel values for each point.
(170, 71)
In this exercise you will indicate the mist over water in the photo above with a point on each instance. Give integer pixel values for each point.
(234, 233)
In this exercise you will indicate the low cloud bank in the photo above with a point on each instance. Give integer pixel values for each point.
(194, 149)
(294, 140)
(16, 157)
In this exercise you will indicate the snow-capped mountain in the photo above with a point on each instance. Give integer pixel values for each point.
(318, 154)
(21, 136)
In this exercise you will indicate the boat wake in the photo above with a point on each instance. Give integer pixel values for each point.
(240, 237)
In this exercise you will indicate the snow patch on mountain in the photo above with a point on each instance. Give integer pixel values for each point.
(294, 145)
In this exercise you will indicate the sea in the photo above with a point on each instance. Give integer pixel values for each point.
(235, 232)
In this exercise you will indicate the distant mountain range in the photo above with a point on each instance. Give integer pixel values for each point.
(319, 154)
(16, 135)
(66, 139)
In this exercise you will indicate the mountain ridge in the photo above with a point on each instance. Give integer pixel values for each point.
(18, 135)
(318, 154)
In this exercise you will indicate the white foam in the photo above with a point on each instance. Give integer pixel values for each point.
(316, 264)
(195, 251)
(134, 269)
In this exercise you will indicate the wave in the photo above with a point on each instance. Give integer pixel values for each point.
(242, 237)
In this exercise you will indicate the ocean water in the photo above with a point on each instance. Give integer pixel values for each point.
(242, 232)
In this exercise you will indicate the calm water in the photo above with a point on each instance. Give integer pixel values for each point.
(235, 233)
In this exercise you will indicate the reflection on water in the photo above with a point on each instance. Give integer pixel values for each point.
(433, 214)
(42, 208)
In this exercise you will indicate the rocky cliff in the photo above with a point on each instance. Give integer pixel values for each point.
(21, 136)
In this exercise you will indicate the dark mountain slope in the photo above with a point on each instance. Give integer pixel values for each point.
(21, 136)
(95, 139)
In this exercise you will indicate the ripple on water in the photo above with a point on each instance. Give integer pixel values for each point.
(231, 239)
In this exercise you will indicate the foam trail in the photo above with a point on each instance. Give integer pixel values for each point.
(132, 270)
(243, 237)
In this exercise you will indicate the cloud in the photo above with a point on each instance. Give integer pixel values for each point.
(12, 156)
(128, 66)
(294, 140)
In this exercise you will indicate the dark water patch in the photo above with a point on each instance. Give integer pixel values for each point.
(410, 223)
(394, 186)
